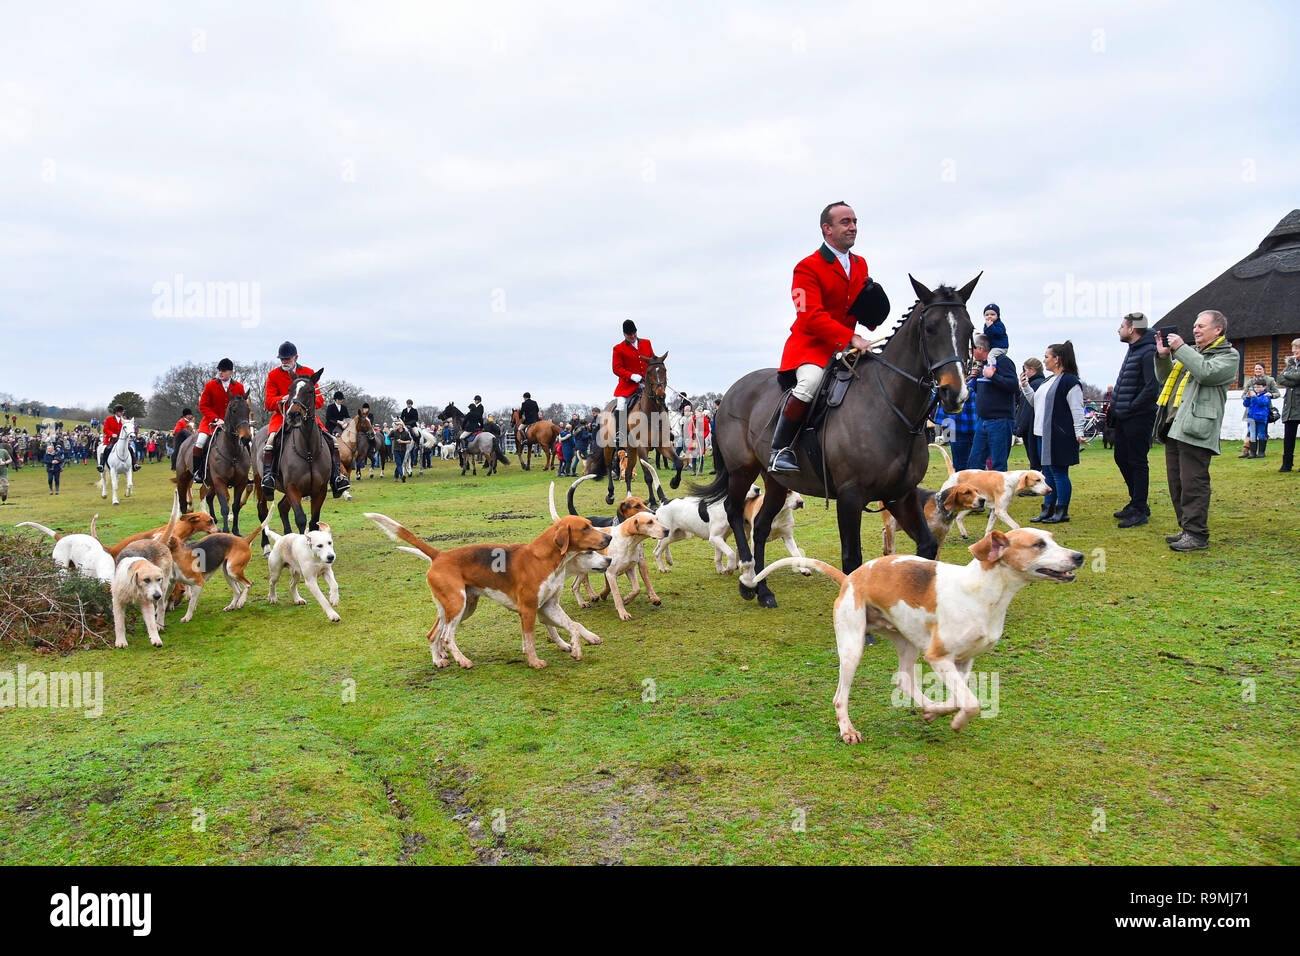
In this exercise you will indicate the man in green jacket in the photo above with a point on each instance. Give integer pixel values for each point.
(1189, 416)
(1290, 377)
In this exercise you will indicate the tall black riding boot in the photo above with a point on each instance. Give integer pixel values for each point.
(784, 460)
(1263, 448)
(338, 481)
(268, 474)
(200, 468)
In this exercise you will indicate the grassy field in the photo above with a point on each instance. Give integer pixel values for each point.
(1146, 714)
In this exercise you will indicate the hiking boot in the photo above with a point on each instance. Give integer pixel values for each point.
(1171, 538)
(1189, 542)
(1134, 519)
(1124, 512)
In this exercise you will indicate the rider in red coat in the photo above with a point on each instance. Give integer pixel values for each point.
(212, 406)
(112, 429)
(629, 365)
(832, 292)
(184, 423)
(278, 383)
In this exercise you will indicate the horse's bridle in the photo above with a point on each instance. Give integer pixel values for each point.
(930, 383)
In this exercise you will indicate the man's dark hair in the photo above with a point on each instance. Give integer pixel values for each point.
(1064, 353)
(826, 213)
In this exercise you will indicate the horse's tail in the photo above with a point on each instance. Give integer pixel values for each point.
(715, 490)
(500, 450)
(573, 510)
(804, 564)
(395, 531)
(947, 459)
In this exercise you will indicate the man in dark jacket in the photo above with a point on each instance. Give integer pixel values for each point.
(529, 411)
(995, 386)
(1133, 413)
(1032, 373)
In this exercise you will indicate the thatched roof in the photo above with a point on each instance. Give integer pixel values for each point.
(1260, 295)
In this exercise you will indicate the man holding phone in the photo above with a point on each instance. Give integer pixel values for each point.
(1189, 415)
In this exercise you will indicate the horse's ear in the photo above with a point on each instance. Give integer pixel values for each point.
(664, 357)
(966, 290)
(922, 293)
(317, 374)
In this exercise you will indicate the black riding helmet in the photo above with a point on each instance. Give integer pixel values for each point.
(288, 350)
(338, 396)
(225, 365)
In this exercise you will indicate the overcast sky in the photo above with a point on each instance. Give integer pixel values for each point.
(437, 199)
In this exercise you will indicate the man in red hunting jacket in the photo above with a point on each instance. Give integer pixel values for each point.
(278, 383)
(112, 429)
(629, 365)
(832, 292)
(212, 406)
(180, 432)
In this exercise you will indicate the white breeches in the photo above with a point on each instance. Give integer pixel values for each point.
(807, 377)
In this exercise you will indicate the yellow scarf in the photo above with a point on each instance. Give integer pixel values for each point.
(1177, 381)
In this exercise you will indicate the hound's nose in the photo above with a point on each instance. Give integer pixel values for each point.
(329, 559)
(1077, 558)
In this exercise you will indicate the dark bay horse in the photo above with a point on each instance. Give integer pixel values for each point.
(229, 459)
(649, 428)
(874, 443)
(304, 459)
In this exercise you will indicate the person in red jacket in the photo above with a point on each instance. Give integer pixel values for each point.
(832, 292)
(629, 365)
(278, 382)
(180, 432)
(112, 429)
(212, 406)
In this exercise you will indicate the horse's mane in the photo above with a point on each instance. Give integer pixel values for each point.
(942, 292)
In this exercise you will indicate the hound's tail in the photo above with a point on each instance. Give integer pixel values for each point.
(947, 459)
(550, 497)
(715, 490)
(93, 520)
(39, 527)
(804, 564)
(398, 533)
(654, 477)
(248, 539)
(573, 509)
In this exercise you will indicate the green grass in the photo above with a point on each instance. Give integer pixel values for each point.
(1122, 693)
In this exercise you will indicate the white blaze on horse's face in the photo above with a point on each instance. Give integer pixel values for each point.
(952, 324)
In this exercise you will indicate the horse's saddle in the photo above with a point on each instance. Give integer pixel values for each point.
(836, 380)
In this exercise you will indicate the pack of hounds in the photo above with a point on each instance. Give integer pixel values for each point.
(946, 613)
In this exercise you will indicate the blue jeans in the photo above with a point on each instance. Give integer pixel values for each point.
(1058, 476)
(961, 453)
(992, 440)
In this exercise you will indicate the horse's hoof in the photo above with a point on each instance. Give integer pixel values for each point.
(747, 593)
(609, 498)
(677, 480)
(767, 599)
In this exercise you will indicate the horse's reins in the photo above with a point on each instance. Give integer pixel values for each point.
(294, 400)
